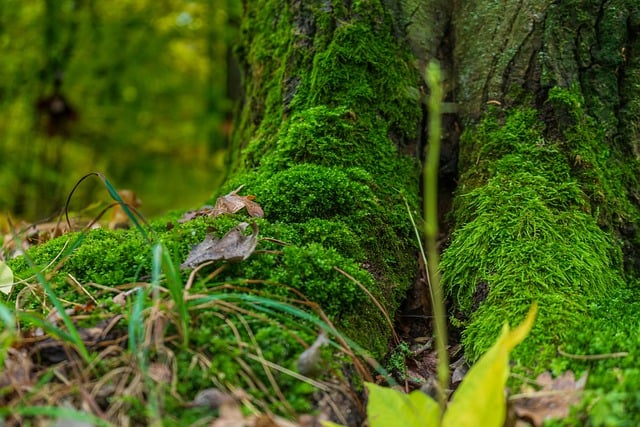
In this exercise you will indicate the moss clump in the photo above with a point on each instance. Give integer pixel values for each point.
(525, 234)
(307, 191)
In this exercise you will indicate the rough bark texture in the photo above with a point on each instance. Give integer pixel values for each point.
(546, 206)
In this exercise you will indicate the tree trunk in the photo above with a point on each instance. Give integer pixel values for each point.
(546, 100)
(325, 139)
(546, 207)
(545, 192)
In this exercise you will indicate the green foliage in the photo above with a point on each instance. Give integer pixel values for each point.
(308, 191)
(147, 85)
(356, 70)
(611, 398)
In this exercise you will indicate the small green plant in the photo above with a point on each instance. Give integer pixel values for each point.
(478, 402)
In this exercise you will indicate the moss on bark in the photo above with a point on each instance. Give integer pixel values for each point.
(546, 207)
(326, 147)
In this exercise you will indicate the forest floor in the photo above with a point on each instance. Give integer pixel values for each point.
(57, 370)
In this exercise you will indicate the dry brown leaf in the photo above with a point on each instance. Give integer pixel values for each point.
(232, 203)
(233, 246)
(189, 215)
(160, 372)
(228, 204)
(553, 400)
(230, 412)
(51, 350)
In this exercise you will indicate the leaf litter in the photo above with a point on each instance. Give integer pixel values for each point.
(228, 204)
(553, 400)
(233, 246)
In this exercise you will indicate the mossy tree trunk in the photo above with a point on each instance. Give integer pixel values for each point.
(546, 102)
(325, 139)
(546, 207)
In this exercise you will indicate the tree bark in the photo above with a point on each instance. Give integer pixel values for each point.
(546, 206)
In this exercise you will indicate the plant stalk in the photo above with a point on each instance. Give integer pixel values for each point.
(430, 176)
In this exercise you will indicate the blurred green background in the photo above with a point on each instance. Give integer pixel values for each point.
(140, 90)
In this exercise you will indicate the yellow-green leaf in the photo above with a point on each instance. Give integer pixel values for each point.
(392, 408)
(330, 424)
(480, 399)
(6, 278)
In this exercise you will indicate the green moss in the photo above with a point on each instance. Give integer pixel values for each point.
(611, 397)
(334, 171)
(526, 232)
(306, 191)
(597, 165)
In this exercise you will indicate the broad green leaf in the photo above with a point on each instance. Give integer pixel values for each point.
(480, 399)
(391, 408)
(330, 424)
(6, 278)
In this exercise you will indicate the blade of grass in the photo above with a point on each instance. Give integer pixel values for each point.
(176, 291)
(128, 210)
(73, 336)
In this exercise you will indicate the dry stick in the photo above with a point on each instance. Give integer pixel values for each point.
(434, 81)
(604, 356)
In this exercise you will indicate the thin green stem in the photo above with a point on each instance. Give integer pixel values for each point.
(434, 81)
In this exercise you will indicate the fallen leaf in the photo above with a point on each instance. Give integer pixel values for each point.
(232, 203)
(52, 350)
(553, 400)
(228, 204)
(6, 278)
(160, 373)
(210, 398)
(189, 215)
(310, 362)
(460, 369)
(233, 246)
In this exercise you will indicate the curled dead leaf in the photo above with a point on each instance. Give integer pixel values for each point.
(17, 372)
(232, 203)
(227, 204)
